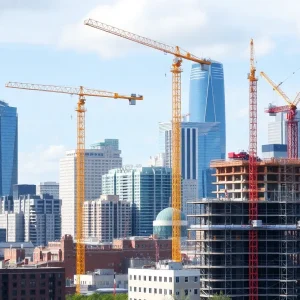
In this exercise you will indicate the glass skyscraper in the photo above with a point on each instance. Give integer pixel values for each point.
(148, 189)
(8, 148)
(207, 98)
(200, 143)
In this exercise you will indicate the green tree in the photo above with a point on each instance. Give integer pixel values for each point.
(221, 296)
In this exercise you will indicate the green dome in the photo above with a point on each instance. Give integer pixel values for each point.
(166, 215)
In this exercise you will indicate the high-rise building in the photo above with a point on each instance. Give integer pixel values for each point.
(158, 160)
(200, 143)
(148, 189)
(98, 161)
(107, 218)
(42, 218)
(23, 190)
(9, 148)
(49, 187)
(207, 98)
(13, 223)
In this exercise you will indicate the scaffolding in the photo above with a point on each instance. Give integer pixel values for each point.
(219, 237)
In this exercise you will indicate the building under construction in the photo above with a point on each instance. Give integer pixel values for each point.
(219, 238)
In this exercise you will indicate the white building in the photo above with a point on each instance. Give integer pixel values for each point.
(6, 204)
(42, 218)
(103, 278)
(13, 223)
(107, 218)
(165, 282)
(98, 162)
(48, 187)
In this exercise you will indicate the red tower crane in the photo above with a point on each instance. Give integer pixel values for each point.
(290, 109)
(253, 194)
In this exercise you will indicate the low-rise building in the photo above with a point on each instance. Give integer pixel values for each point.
(165, 281)
(49, 187)
(30, 282)
(102, 279)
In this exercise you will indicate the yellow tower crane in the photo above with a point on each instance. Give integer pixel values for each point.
(176, 115)
(82, 92)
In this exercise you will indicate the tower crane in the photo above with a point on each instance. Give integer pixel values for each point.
(253, 194)
(291, 110)
(179, 55)
(82, 92)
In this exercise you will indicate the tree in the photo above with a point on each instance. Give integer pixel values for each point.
(221, 296)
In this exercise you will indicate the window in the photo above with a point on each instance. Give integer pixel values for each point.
(145, 290)
(195, 279)
(140, 289)
(134, 277)
(150, 290)
(42, 292)
(177, 293)
(140, 277)
(186, 279)
(145, 278)
(134, 289)
(155, 291)
(170, 292)
(130, 277)
(165, 279)
(177, 279)
(186, 292)
(43, 276)
(32, 276)
(131, 289)
(32, 292)
(155, 278)
(165, 291)
(150, 278)
(14, 276)
(160, 279)
(15, 292)
(170, 279)
(195, 291)
(160, 291)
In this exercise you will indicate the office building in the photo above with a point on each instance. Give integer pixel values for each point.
(23, 190)
(158, 160)
(107, 218)
(207, 98)
(32, 282)
(200, 143)
(9, 148)
(221, 231)
(166, 281)
(98, 161)
(13, 223)
(6, 204)
(274, 151)
(49, 187)
(42, 218)
(148, 189)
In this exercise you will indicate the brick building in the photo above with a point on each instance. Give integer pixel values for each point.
(32, 283)
(103, 256)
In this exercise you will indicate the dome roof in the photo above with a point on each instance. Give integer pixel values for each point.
(166, 215)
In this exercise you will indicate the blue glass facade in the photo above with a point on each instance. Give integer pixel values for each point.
(8, 148)
(207, 98)
(200, 144)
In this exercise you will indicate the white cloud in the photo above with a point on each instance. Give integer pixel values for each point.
(42, 164)
(211, 28)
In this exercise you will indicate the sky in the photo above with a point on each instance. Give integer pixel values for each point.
(46, 42)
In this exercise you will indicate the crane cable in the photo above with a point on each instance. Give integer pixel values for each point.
(288, 77)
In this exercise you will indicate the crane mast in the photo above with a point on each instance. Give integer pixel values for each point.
(80, 152)
(179, 55)
(253, 194)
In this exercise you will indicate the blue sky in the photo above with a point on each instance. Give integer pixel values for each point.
(47, 43)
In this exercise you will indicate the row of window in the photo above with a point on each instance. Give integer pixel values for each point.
(186, 292)
(163, 279)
